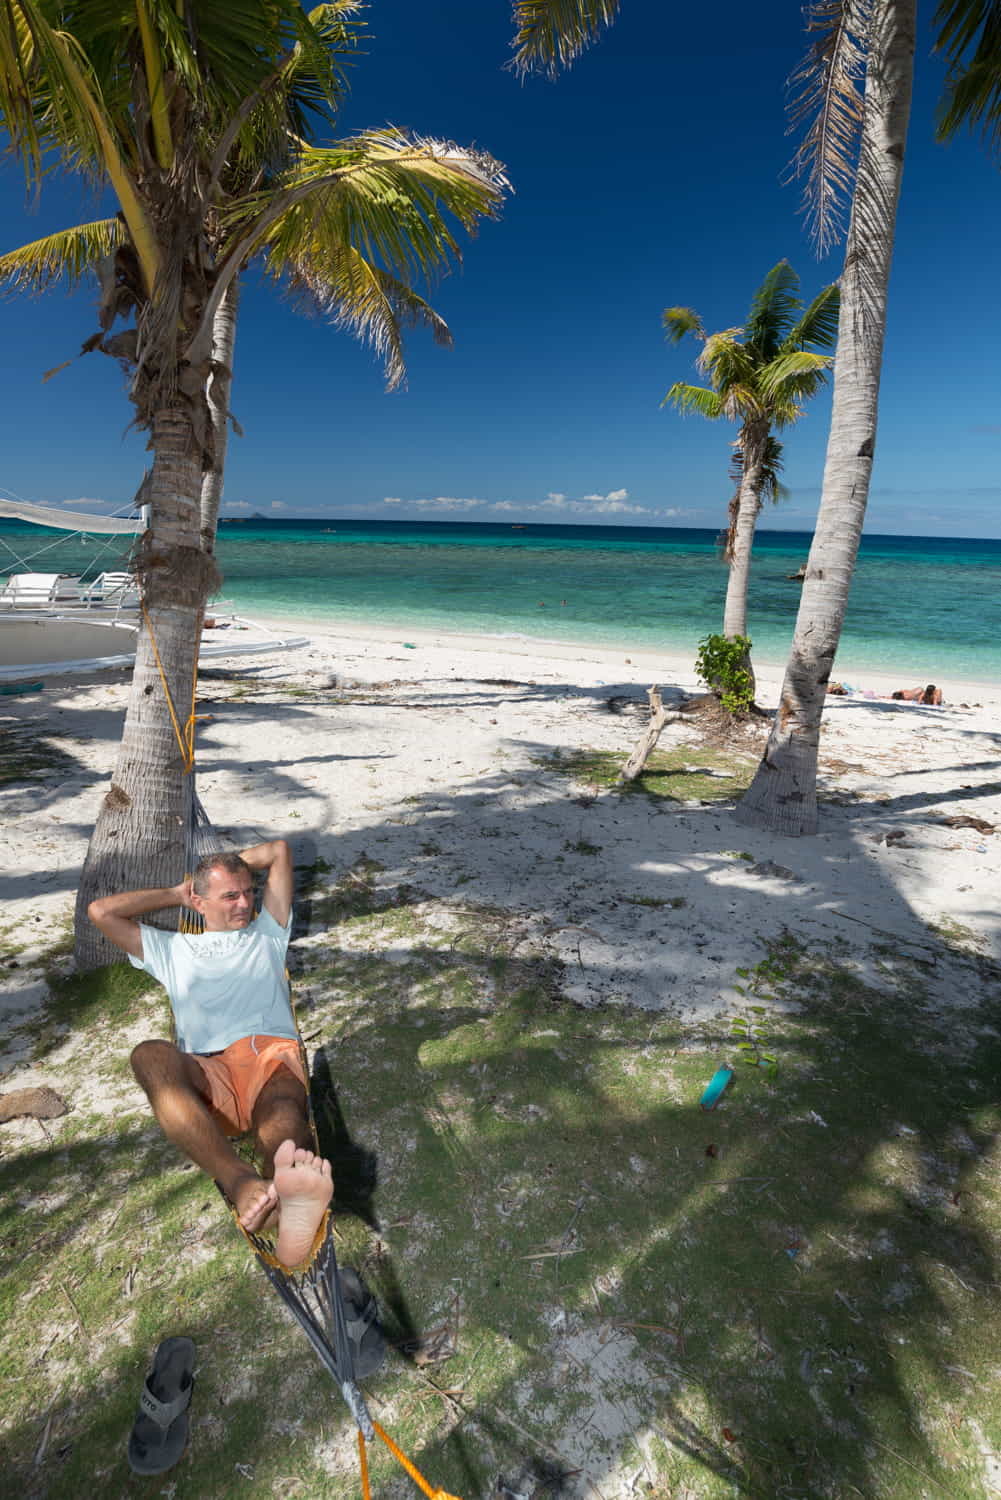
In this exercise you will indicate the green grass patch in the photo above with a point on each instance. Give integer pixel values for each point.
(680, 774)
(958, 936)
(108, 996)
(792, 1295)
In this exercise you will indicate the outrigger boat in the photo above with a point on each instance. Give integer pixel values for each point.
(57, 622)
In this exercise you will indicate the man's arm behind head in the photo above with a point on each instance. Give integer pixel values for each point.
(115, 915)
(275, 857)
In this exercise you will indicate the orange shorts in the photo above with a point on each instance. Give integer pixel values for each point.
(236, 1076)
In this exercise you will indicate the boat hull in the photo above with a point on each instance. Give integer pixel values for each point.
(32, 645)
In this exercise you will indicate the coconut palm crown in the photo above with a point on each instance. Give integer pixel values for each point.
(197, 114)
(760, 375)
(343, 227)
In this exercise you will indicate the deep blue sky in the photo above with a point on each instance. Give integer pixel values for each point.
(646, 176)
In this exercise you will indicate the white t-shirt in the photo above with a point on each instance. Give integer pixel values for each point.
(222, 985)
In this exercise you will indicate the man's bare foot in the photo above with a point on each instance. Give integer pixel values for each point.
(255, 1202)
(304, 1186)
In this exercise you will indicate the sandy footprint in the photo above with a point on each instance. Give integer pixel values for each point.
(304, 1185)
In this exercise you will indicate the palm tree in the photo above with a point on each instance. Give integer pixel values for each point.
(760, 381)
(877, 42)
(168, 104)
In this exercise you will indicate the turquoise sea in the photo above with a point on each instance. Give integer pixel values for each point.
(921, 607)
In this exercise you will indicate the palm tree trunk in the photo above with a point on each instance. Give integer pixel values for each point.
(218, 393)
(783, 794)
(752, 444)
(139, 838)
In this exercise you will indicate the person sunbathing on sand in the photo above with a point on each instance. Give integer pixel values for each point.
(929, 694)
(236, 1065)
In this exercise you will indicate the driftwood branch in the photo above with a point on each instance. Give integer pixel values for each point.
(659, 716)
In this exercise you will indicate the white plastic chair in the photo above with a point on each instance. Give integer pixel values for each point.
(114, 589)
(30, 590)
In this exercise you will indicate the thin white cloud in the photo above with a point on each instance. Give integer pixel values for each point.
(448, 502)
(86, 503)
(614, 503)
(278, 505)
(610, 507)
(236, 505)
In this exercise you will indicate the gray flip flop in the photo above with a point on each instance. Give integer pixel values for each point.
(362, 1322)
(160, 1432)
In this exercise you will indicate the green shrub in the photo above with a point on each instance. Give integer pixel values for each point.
(724, 667)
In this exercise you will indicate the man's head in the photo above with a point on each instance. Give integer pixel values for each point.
(222, 890)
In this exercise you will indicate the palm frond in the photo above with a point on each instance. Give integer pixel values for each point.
(314, 77)
(383, 193)
(679, 322)
(157, 94)
(69, 254)
(222, 52)
(768, 486)
(726, 360)
(695, 398)
(795, 375)
(370, 304)
(744, 402)
(307, 81)
(970, 37)
(818, 324)
(775, 305)
(552, 34)
(41, 103)
(772, 487)
(825, 96)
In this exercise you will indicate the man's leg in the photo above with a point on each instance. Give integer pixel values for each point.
(302, 1180)
(280, 1113)
(177, 1089)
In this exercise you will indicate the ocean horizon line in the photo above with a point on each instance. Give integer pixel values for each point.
(587, 527)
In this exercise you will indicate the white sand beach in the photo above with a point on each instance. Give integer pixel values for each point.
(434, 769)
(436, 756)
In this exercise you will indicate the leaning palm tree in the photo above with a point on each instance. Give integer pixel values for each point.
(761, 381)
(165, 103)
(856, 135)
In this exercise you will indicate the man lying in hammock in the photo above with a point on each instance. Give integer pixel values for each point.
(236, 1066)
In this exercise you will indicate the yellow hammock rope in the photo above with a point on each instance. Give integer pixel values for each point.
(186, 737)
(402, 1459)
(186, 744)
